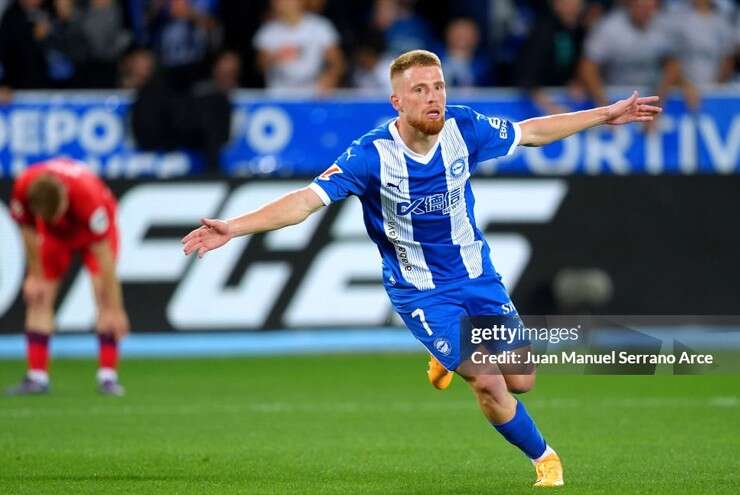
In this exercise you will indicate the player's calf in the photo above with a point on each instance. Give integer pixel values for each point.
(512, 420)
(493, 396)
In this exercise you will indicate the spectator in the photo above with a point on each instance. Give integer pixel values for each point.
(163, 119)
(137, 69)
(152, 113)
(23, 29)
(348, 18)
(510, 25)
(224, 74)
(630, 46)
(240, 21)
(298, 50)
(439, 14)
(184, 36)
(107, 39)
(66, 47)
(704, 41)
(402, 29)
(464, 66)
(371, 65)
(212, 105)
(551, 54)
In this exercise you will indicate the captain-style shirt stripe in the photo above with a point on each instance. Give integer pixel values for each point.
(398, 228)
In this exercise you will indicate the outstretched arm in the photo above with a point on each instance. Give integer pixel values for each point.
(290, 209)
(543, 130)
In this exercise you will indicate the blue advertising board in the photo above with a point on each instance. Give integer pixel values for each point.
(302, 137)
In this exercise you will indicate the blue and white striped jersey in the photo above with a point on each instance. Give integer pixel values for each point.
(419, 209)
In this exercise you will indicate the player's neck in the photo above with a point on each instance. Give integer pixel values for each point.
(417, 141)
(292, 18)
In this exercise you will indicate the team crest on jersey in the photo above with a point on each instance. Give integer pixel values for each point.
(443, 346)
(458, 167)
(334, 169)
(99, 221)
(16, 207)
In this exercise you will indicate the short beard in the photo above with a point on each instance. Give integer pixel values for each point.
(429, 127)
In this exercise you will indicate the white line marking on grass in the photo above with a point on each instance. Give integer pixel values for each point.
(360, 407)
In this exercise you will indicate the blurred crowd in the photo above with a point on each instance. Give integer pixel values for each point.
(319, 45)
(191, 53)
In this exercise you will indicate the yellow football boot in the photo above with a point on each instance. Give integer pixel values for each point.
(438, 375)
(549, 471)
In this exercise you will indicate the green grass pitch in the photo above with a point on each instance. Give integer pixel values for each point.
(347, 424)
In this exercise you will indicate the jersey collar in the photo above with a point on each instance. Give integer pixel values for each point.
(423, 159)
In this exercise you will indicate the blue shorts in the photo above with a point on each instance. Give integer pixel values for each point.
(435, 316)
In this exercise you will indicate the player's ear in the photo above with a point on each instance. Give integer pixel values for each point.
(396, 102)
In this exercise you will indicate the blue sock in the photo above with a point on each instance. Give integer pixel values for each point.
(522, 432)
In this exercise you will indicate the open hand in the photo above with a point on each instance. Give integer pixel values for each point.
(633, 109)
(211, 235)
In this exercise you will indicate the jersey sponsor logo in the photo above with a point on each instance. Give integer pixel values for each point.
(334, 169)
(440, 202)
(501, 125)
(443, 346)
(508, 308)
(457, 168)
(99, 221)
(391, 232)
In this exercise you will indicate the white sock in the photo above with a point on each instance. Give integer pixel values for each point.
(39, 376)
(548, 450)
(107, 374)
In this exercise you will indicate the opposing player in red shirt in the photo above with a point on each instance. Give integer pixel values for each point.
(63, 209)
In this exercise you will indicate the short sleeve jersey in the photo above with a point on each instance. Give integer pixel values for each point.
(91, 211)
(419, 209)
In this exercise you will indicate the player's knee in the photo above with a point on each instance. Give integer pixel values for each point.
(519, 384)
(43, 302)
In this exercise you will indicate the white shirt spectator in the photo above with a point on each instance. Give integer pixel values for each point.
(626, 54)
(702, 43)
(304, 44)
(373, 79)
